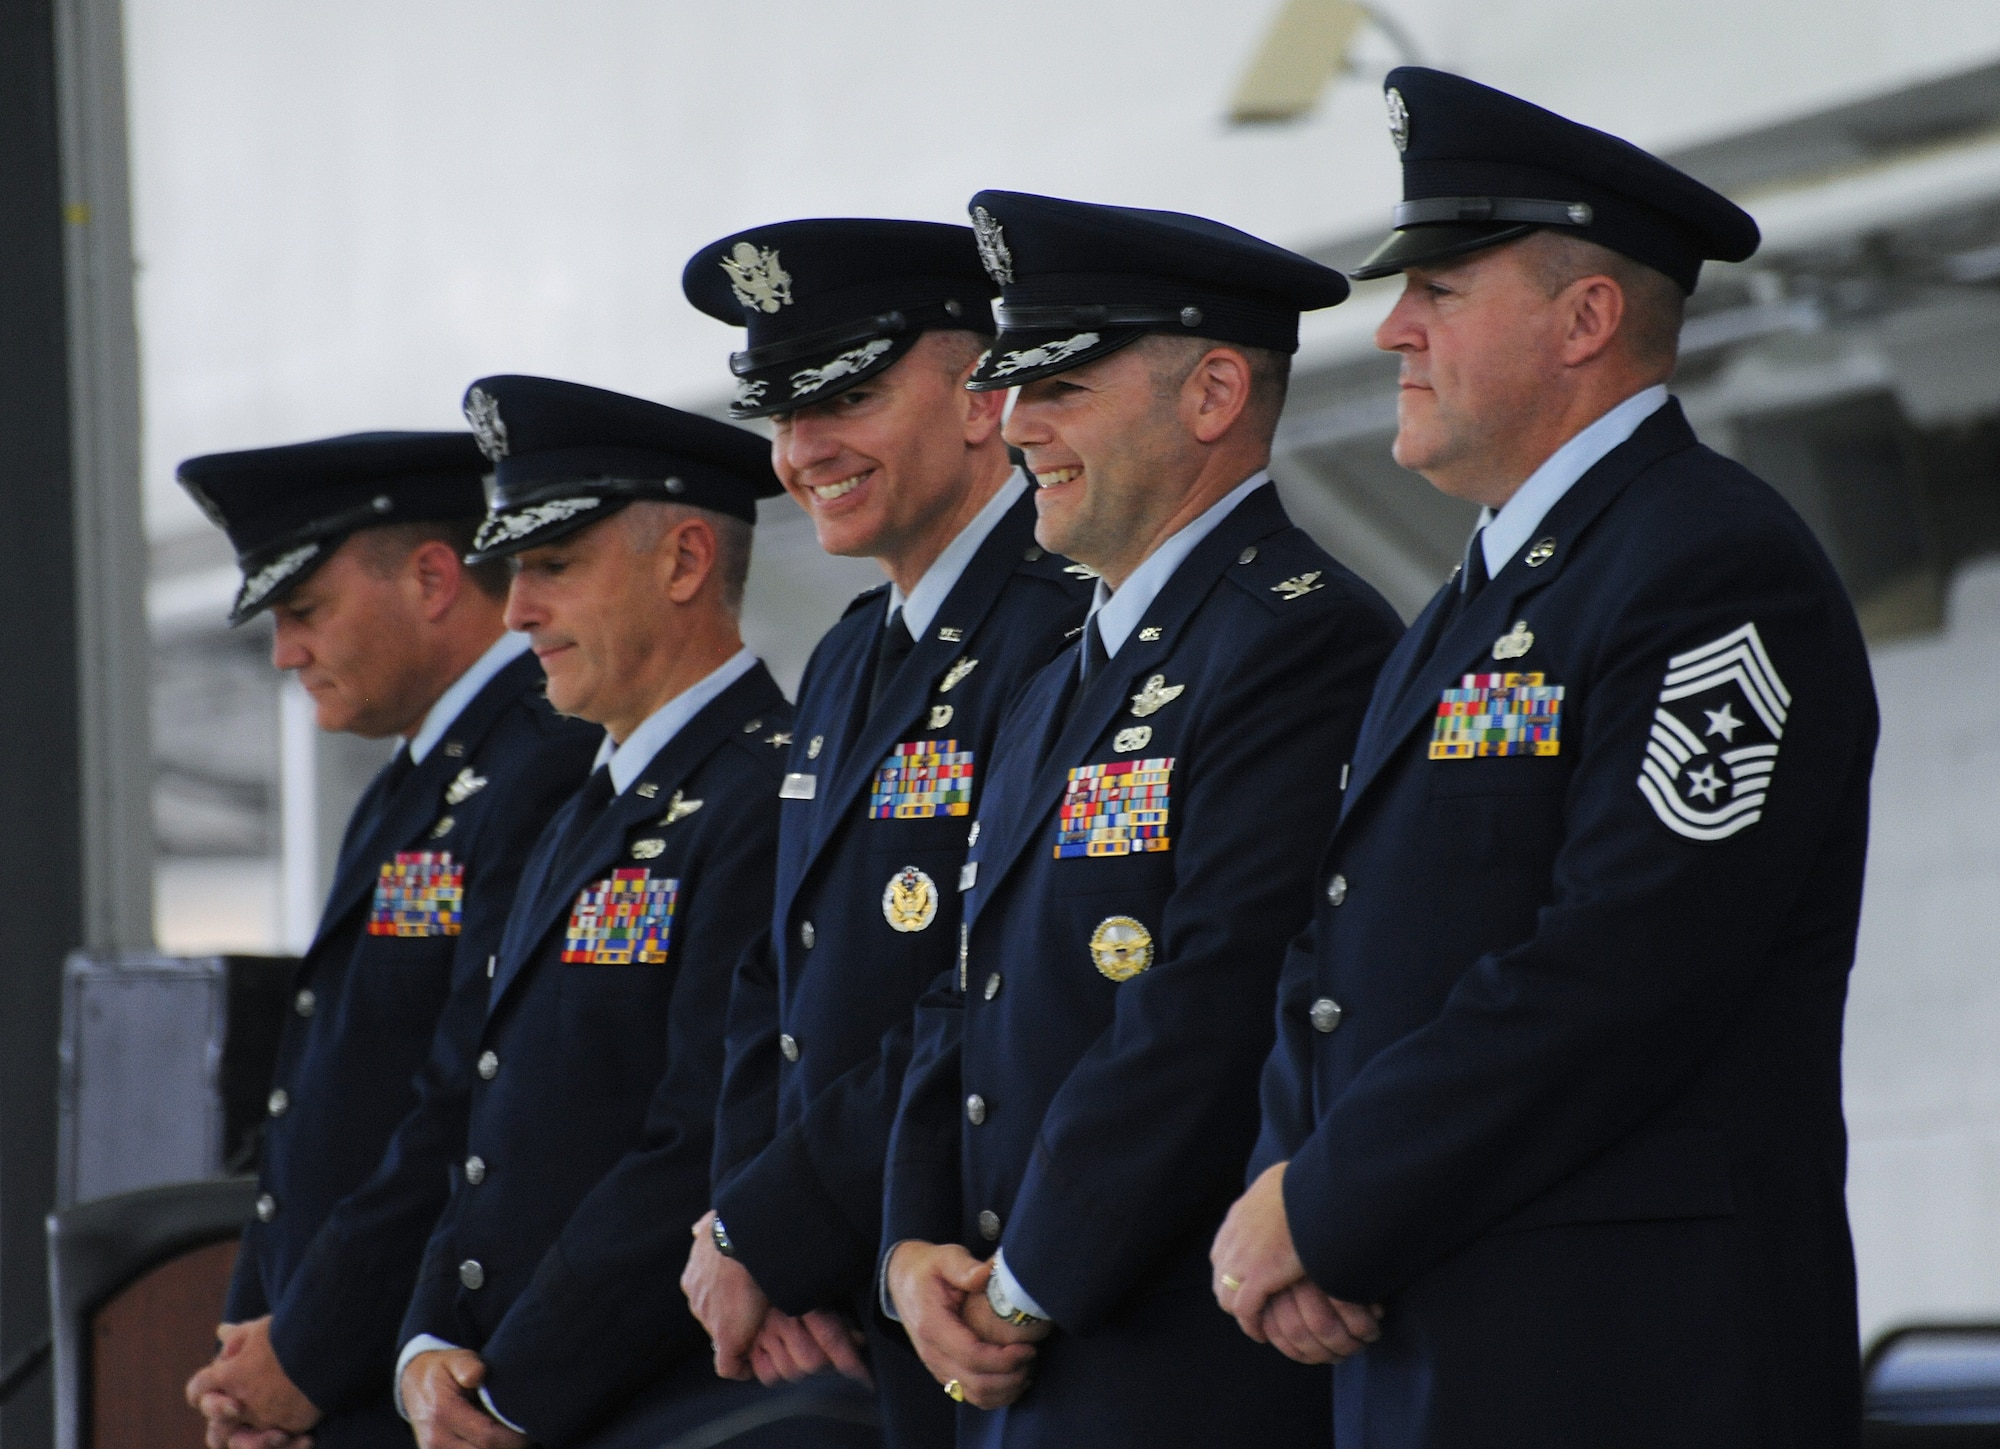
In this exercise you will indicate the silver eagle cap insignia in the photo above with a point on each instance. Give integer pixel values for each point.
(756, 278)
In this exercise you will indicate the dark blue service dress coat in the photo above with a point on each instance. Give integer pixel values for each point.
(1558, 1072)
(1084, 1087)
(370, 1008)
(865, 917)
(589, 1120)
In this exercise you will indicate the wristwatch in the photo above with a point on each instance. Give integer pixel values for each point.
(721, 1236)
(997, 1299)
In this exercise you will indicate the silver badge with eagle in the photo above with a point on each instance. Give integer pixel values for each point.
(482, 410)
(993, 253)
(756, 278)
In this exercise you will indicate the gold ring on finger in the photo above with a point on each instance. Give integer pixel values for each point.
(955, 1390)
(1231, 1283)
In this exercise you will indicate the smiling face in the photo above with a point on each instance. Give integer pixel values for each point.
(1481, 340)
(882, 468)
(355, 636)
(1111, 456)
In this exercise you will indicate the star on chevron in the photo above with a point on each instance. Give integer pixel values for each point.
(1703, 782)
(1723, 722)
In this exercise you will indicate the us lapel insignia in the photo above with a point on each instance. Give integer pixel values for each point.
(1150, 634)
(679, 808)
(1135, 738)
(454, 750)
(646, 791)
(813, 746)
(1082, 571)
(648, 849)
(949, 635)
(940, 716)
(1298, 588)
(463, 787)
(778, 740)
(910, 900)
(443, 828)
(1544, 549)
(1515, 642)
(1157, 695)
(955, 674)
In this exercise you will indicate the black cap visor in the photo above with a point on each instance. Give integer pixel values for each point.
(1420, 246)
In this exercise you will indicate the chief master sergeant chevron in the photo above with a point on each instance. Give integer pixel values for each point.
(1082, 1095)
(1558, 1074)
(354, 544)
(862, 333)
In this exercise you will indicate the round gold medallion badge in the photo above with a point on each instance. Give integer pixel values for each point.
(910, 900)
(1121, 947)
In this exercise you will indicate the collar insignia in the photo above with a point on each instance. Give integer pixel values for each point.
(756, 278)
(260, 585)
(955, 674)
(1157, 695)
(1399, 119)
(1048, 354)
(1082, 571)
(993, 253)
(1515, 642)
(679, 808)
(811, 379)
(482, 410)
(506, 527)
(948, 635)
(1298, 588)
(463, 787)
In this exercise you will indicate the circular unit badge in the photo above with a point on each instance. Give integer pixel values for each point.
(910, 900)
(1121, 947)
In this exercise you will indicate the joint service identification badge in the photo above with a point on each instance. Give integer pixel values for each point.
(1498, 714)
(626, 919)
(1121, 948)
(419, 893)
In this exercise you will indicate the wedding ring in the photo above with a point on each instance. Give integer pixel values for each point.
(1232, 1284)
(956, 1390)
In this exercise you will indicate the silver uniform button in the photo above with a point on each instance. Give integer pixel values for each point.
(989, 1225)
(475, 1170)
(1336, 889)
(788, 1046)
(267, 1207)
(975, 1109)
(807, 935)
(471, 1274)
(1325, 1014)
(489, 1065)
(993, 986)
(280, 1101)
(305, 1003)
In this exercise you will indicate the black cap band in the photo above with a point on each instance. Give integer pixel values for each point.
(1434, 209)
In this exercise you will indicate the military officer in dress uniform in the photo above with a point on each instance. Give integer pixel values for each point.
(1082, 1096)
(1558, 1077)
(354, 546)
(862, 334)
(544, 1309)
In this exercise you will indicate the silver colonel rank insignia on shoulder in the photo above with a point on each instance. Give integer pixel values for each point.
(1715, 737)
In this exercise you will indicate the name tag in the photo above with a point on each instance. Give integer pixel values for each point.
(968, 875)
(799, 787)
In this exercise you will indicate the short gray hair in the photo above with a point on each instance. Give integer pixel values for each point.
(1655, 306)
(646, 521)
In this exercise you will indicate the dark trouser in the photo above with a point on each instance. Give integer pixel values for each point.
(693, 1409)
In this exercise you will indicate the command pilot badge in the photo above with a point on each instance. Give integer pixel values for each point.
(679, 807)
(1155, 696)
(1121, 948)
(463, 787)
(910, 900)
(756, 278)
(1721, 705)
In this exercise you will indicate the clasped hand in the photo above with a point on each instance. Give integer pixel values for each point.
(939, 1290)
(246, 1396)
(752, 1337)
(1261, 1283)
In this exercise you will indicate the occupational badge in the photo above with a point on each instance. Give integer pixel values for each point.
(1045, 355)
(1299, 587)
(626, 919)
(1155, 696)
(956, 674)
(1701, 779)
(650, 848)
(1121, 948)
(443, 827)
(910, 900)
(1515, 642)
(464, 785)
(756, 278)
(940, 716)
(1498, 714)
(922, 779)
(419, 893)
(1135, 738)
(679, 807)
(1399, 119)
(482, 410)
(1119, 808)
(993, 252)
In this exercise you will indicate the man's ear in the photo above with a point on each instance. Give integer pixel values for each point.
(1216, 393)
(688, 552)
(1594, 311)
(439, 576)
(983, 412)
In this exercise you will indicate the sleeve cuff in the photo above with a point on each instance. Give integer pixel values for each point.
(882, 1284)
(486, 1398)
(1019, 1296)
(422, 1343)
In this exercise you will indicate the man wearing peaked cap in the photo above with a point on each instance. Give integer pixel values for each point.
(577, 1142)
(862, 334)
(1558, 1071)
(353, 546)
(1082, 1095)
